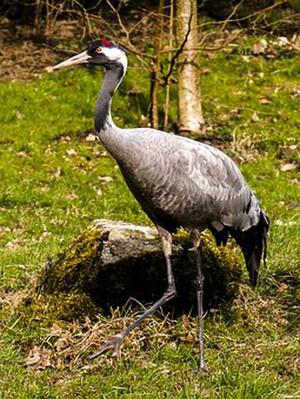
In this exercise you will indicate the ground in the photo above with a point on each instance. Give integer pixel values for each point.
(56, 178)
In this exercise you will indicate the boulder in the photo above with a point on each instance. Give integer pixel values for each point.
(112, 261)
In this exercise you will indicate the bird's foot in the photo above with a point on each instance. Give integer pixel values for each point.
(114, 344)
(202, 368)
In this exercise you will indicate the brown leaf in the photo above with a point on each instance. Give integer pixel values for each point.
(255, 117)
(105, 179)
(295, 92)
(265, 101)
(38, 358)
(287, 167)
(57, 173)
(55, 328)
(13, 245)
(62, 343)
(91, 137)
(71, 151)
(260, 47)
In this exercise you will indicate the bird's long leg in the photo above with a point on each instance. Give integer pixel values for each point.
(116, 341)
(199, 290)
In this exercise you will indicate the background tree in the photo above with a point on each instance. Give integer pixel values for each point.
(155, 64)
(190, 118)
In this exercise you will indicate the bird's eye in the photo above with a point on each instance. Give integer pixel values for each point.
(98, 50)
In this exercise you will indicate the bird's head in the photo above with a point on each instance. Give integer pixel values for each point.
(100, 52)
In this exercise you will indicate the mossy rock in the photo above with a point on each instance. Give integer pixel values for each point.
(113, 261)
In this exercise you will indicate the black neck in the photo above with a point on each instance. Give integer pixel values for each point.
(113, 76)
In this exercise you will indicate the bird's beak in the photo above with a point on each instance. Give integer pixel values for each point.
(82, 58)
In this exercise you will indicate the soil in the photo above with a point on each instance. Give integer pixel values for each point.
(24, 53)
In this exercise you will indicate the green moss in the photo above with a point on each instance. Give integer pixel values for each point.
(74, 269)
(62, 291)
(84, 280)
(224, 262)
(67, 306)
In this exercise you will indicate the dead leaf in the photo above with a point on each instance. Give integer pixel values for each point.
(295, 92)
(246, 58)
(260, 47)
(91, 137)
(22, 154)
(296, 41)
(32, 359)
(65, 139)
(55, 328)
(189, 338)
(265, 101)
(255, 117)
(38, 358)
(105, 179)
(13, 245)
(288, 167)
(71, 151)
(62, 343)
(205, 71)
(72, 196)
(281, 41)
(57, 173)
(19, 115)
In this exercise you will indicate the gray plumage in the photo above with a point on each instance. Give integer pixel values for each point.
(178, 182)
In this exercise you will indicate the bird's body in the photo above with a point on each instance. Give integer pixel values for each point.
(182, 182)
(178, 182)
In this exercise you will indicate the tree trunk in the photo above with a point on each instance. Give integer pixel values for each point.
(155, 67)
(189, 98)
(167, 100)
(154, 94)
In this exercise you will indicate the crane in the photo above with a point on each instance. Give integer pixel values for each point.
(178, 182)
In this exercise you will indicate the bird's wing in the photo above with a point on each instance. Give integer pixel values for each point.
(186, 180)
(210, 170)
(215, 183)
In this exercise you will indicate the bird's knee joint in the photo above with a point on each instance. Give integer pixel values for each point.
(170, 292)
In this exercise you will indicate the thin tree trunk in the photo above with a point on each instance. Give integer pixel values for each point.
(37, 17)
(155, 68)
(189, 98)
(167, 101)
(47, 27)
(153, 94)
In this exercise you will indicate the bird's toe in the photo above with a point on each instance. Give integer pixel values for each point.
(114, 344)
(203, 369)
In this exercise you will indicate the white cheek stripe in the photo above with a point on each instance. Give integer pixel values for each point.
(114, 54)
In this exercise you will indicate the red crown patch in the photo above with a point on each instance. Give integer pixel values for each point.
(106, 43)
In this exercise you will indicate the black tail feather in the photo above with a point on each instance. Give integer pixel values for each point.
(253, 243)
(221, 237)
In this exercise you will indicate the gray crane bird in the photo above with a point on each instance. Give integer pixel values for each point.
(179, 183)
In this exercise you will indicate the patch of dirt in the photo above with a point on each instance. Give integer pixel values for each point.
(24, 60)
(24, 54)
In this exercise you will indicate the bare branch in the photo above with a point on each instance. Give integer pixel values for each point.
(178, 52)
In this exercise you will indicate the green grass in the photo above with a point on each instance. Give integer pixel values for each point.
(49, 193)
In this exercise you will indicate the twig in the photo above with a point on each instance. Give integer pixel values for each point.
(178, 52)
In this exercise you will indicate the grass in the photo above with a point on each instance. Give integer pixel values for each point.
(53, 186)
